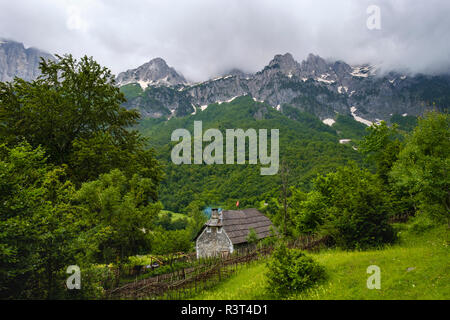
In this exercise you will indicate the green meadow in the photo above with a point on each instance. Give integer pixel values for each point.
(416, 267)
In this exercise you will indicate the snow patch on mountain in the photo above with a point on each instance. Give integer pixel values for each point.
(359, 119)
(341, 89)
(362, 72)
(329, 122)
(228, 101)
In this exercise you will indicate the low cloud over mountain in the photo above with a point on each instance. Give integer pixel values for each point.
(204, 38)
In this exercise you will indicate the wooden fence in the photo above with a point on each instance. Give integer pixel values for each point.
(400, 218)
(187, 282)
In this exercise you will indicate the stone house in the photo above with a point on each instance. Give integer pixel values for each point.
(228, 230)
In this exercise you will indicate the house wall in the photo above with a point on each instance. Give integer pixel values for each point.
(213, 243)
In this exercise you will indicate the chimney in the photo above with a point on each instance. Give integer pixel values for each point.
(215, 219)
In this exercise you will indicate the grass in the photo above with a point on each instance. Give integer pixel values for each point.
(415, 268)
(175, 215)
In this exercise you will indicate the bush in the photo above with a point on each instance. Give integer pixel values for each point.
(352, 207)
(422, 166)
(95, 280)
(290, 270)
(421, 223)
(252, 237)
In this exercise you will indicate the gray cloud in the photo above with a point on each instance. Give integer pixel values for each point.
(202, 38)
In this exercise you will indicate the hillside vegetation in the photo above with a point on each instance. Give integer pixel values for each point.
(307, 145)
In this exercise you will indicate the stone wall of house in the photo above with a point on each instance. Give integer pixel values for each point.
(213, 243)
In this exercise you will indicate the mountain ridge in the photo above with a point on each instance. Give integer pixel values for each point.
(154, 72)
(18, 61)
(323, 87)
(315, 85)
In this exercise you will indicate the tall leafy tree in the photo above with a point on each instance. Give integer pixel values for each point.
(118, 212)
(73, 110)
(38, 224)
(382, 146)
(423, 165)
(349, 205)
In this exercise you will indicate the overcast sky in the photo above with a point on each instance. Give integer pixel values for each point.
(203, 38)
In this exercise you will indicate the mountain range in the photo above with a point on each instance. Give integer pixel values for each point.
(18, 61)
(321, 87)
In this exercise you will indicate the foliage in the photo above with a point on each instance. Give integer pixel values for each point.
(405, 123)
(252, 237)
(121, 212)
(307, 145)
(381, 145)
(275, 211)
(73, 110)
(57, 135)
(131, 90)
(290, 270)
(310, 212)
(170, 242)
(422, 167)
(349, 128)
(351, 206)
(197, 217)
(37, 224)
(421, 224)
(166, 221)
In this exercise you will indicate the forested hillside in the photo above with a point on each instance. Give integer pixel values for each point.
(307, 146)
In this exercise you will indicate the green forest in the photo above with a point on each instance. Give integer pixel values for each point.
(85, 181)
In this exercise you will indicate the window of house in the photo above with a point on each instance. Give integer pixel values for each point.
(219, 230)
(208, 229)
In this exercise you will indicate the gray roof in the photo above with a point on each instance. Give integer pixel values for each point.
(237, 224)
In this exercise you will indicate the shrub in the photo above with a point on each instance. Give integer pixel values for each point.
(421, 223)
(252, 237)
(290, 270)
(422, 166)
(95, 280)
(352, 207)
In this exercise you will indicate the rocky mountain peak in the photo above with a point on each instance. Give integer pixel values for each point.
(154, 72)
(157, 63)
(325, 88)
(236, 72)
(285, 62)
(341, 68)
(18, 61)
(314, 64)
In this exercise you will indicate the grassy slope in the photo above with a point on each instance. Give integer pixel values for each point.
(427, 253)
(175, 215)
